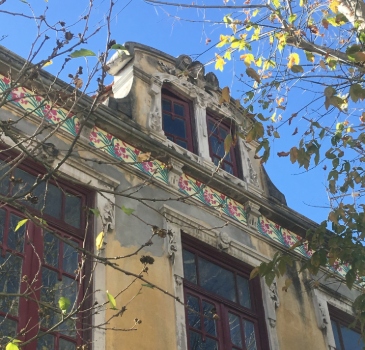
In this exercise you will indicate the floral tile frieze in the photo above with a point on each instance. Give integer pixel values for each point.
(212, 198)
(126, 153)
(41, 107)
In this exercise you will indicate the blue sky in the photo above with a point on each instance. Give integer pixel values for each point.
(168, 30)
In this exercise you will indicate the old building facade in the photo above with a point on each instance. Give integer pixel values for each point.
(152, 159)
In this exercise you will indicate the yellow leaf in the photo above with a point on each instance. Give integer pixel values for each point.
(228, 143)
(293, 60)
(99, 240)
(48, 63)
(254, 272)
(258, 62)
(253, 74)
(334, 5)
(219, 62)
(225, 96)
(144, 157)
(248, 58)
(322, 64)
(227, 55)
(223, 40)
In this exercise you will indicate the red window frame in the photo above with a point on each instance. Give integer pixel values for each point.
(339, 321)
(174, 99)
(223, 306)
(34, 258)
(222, 127)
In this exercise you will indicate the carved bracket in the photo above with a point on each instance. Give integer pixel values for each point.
(223, 241)
(155, 117)
(108, 216)
(171, 246)
(253, 213)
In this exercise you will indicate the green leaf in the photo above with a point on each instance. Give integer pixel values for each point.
(269, 278)
(350, 278)
(118, 47)
(292, 18)
(64, 303)
(276, 135)
(148, 285)
(20, 224)
(82, 53)
(112, 301)
(297, 69)
(127, 211)
(95, 211)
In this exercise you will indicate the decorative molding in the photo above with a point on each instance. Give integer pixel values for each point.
(274, 296)
(108, 216)
(171, 247)
(175, 173)
(253, 213)
(252, 173)
(223, 241)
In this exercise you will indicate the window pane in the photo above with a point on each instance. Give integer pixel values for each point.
(174, 126)
(51, 249)
(70, 258)
(336, 336)
(53, 201)
(244, 292)
(73, 210)
(16, 239)
(189, 266)
(250, 338)
(209, 311)
(24, 181)
(2, 224)
(212, 128)
(222, 133)
(235, 329)
(193, 312)
(66, 345)
(196, 342)
(351, 339)
(227, 168)
(10, 274)
(216, 146)
(46, 342)
(216, 279)
(7, 329)
(166, 105)
(4, 183)
(182, 144)
(179, 109)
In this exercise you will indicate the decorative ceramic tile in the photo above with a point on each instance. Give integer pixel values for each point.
(37, 105)
(212, 198)
(124, 152)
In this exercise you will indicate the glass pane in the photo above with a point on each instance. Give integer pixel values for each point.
(4, 183)
(209, 311)
(73, 210)
(250, 338)
(2, 224)
(70, 258)
(351, 339)
(216, 146)
(10, 274)
(244, 297)
(66, 345)
(7, 329)
(216, 279)
(179, 110)
(235, 330)
(222, 132)
(23, 182)
(212, 128)
(52, 290)
(182, 144)
(196, 342)
(189, 266)
(174, 126)
(166, 105)
(16, 239)
(37, 198)
(227, 168)
(46, 342)
(51, 249)
(193, 312)
(53, 201)
(336, 336)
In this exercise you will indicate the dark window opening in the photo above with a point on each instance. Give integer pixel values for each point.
(224, 308)
(176, 120)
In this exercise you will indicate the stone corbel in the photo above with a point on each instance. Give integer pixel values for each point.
(46, 153)
(108, 215)
(223, 241)
(323, 318)
(171, 247)
(253, 213)
(175, 173)
(155, 115)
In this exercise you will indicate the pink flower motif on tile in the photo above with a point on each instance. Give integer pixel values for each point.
(77, 127)
(209, 198)
(265, 227)
(94, 137)
(51, 114)
(288, 238)
(223, 196)
(109, 136)
(120, 151)
(198, 183)
(6, 80)
(184, 184)
(136, 151)
(38, 98)
(148, 167)
(233, 210)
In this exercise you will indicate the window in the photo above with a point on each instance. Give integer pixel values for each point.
(217, 133)
(224, 308)
(36, 263)
(345, 338)
(176, 120)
